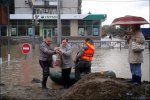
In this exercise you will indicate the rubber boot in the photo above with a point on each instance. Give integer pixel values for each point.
(137, 81)
(44, 82)
(133, 79)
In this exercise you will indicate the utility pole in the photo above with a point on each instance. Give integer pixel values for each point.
(33, 28)
(59, 31)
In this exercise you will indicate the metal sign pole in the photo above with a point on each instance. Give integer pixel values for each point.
(25, 56)
(8, 34)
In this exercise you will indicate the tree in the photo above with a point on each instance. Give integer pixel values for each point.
(114, 31)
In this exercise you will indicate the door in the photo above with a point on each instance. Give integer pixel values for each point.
(47, 33)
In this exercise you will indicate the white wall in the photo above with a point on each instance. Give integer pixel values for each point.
(70, 3)
(74, 27)
(22, 8)
(68, 7)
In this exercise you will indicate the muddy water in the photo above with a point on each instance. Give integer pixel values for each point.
(21, 71)
(117, 61)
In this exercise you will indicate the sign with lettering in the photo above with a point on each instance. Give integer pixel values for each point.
(25, 48)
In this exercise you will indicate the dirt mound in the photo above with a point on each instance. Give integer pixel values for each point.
(98, 87)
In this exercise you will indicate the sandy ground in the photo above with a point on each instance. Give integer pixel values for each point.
(20, 81)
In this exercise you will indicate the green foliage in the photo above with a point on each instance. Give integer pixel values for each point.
(113, 30)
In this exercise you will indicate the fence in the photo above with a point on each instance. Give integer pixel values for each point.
(15, 45)
(108, 44)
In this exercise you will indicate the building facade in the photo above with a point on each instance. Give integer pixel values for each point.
(43, 15)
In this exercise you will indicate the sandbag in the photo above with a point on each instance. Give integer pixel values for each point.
(56, 77)
(109, 74)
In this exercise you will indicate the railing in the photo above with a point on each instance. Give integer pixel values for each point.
(108, 44)
(79, 43)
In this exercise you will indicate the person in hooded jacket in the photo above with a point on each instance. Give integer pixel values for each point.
(135, 58)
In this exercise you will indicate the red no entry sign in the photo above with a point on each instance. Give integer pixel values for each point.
(25, 48)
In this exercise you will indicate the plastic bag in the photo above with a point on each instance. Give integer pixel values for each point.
(138, 47)
(56, 59)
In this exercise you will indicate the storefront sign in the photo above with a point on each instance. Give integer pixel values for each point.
(47, 17)
(25, 48)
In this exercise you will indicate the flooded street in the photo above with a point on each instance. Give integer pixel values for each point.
(117, 61)
(24, 76)
(24, 71)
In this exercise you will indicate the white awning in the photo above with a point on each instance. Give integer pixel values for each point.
(47, 16)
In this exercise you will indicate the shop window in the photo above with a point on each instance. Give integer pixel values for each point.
(88, 23)
(13, 22)
(81, 23)
(96, 22)
(81, 31)
(13, 31)
(28, 23)
(4, 30)
(22, 31)
(89, 30)
(50, 23)
(81, 27)
(30, 31)
(65, 31)
(65, 22)
(65, 28)
(85, 28)
(21, 22)
(96, 26)
(37, 31)
(95, 31)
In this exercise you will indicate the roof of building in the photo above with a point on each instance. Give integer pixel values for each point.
(101, 17)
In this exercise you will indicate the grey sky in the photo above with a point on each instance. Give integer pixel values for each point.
(117, 8)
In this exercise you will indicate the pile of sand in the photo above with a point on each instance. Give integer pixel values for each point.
(97, 87)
